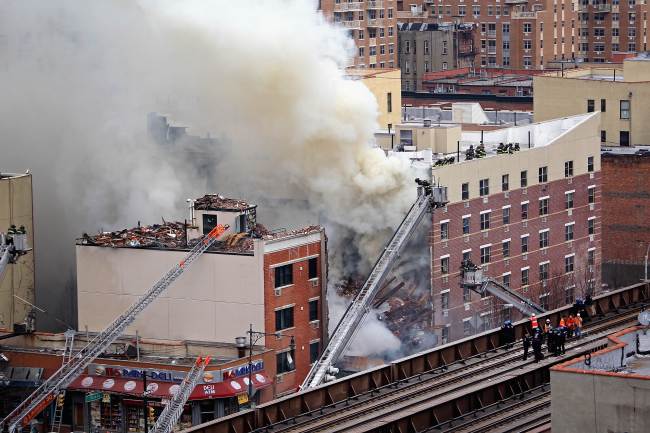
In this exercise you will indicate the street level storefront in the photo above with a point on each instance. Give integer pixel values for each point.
(112, 396)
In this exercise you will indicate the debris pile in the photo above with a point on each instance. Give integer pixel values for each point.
(219, 202)
(165, 235)
(284, 233)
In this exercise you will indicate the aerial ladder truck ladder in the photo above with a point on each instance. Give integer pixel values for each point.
(38, 400)
(472, 277)
(429, 196)
(174, 409)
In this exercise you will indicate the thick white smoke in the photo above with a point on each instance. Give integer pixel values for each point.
(265, 76)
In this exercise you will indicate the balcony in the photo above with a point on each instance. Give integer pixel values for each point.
(372, 42)
(375, 4)
(523, 15)
(375, 22)
(352, 25)
(603, 8)
(345, 6)
(491, 33)
(615, 40)
(411, 14)
(516, 2)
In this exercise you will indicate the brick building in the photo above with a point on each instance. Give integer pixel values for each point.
(626, 226)
(531, 219)
(274, 280)
(429, 47)
(372, 25)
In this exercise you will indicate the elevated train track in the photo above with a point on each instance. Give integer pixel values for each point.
(433, 390)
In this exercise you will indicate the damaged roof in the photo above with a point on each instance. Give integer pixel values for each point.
(220, 203)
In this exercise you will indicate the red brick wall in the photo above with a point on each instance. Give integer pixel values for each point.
(298, 294)
(626, 215)
(556, 251)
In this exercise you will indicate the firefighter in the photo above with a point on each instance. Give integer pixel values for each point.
(526, 341)
(578, 325)
(551, 342)
(562, 337)
(537, 347)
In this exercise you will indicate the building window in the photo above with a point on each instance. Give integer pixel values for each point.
(466, 225)
(407, 47)
(591, 257)
(568, 295)
(313, 310)
(467, 294)
(284, 275)
(476, 10)
(484, 187)
(524, 244)
(467, 255)
(524, 277)
(591, 226)
(543, 174)
(467, 327)
(444, 265)
(568, 168)
(527, 27)
(568, 232)
(426, 47)
(603, 136)
(485, 220)
(543, 206)
(569, 200)
(445, 334)
(285, 362)
(524, 211)
(625, 109)
(485, 254)
(506, 280)
(591, 194)
(543, 238)
(506, 215)
(360, 35)
(544, 300)
(590, 164)
(524, 179)
(209, 223)
(313, 268)
(624, 138)
(444, 300)
(465, 191)
(389, 102)
(543, 271)
(284, 318)
(603, 105)
(590, 105)
(505, 246)
(505, 182)
(569, 264)
(314, 351)
(444, 230)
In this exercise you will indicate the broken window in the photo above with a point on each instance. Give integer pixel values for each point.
(313, 310)
(314, 351)
(285, 362)
(209, 222)
(313, 268)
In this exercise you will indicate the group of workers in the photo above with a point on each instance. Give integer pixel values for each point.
(555, 337)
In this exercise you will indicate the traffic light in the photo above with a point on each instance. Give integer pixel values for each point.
(60, 400)
(151, 415)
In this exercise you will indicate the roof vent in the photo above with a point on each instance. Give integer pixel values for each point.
(427, 123)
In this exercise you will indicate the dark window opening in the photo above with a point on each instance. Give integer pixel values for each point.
(284, 275)
(313, 268)
(209, 222)
(314, 351)
(284, 318)
(285, 362)
(313, 310)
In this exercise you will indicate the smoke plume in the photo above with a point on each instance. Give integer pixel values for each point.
(265, 77)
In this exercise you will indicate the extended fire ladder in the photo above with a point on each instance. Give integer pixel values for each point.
(60, 397)
(174, 409)
(428, 196)
(472, 277)
(12, 245)
(44, 394)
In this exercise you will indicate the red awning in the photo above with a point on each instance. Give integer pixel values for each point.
(228, 388)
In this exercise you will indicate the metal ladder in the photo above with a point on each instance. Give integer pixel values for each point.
(524, 305)
(360, 306)
(174, 409)
(60, 397)
(44, 394)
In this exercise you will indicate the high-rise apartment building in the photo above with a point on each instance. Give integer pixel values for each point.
(372, 25)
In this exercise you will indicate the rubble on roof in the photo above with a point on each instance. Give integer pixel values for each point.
(284, 233)
(166, 235)
(219, 202)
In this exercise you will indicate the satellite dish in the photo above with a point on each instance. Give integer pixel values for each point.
(644, 318)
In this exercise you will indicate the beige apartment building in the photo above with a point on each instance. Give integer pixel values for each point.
(16, 208)
(385, 85)
(620, 92)
(372, 25)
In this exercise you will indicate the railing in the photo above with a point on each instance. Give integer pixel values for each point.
(375, 4)
(356, 24)
(604, 8)
(523, 14)
(345, 6)
(375, 22)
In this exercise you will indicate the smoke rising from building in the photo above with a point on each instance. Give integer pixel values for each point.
(265, 77)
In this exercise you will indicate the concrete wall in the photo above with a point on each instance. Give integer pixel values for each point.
(381, 83)
(558, 97)
(16, 208)
(214, 300)
(599, 404)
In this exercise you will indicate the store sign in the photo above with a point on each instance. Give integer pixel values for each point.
(92, 396)
(242, 398)
(136, 373)
(242, 370)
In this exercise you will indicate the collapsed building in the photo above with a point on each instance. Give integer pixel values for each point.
(274, 280)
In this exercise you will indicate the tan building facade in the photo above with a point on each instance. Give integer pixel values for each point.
(372, 25)
(385, 85)
(16, 208)
(621, 94)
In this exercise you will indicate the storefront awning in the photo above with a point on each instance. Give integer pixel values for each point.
(228, 388)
